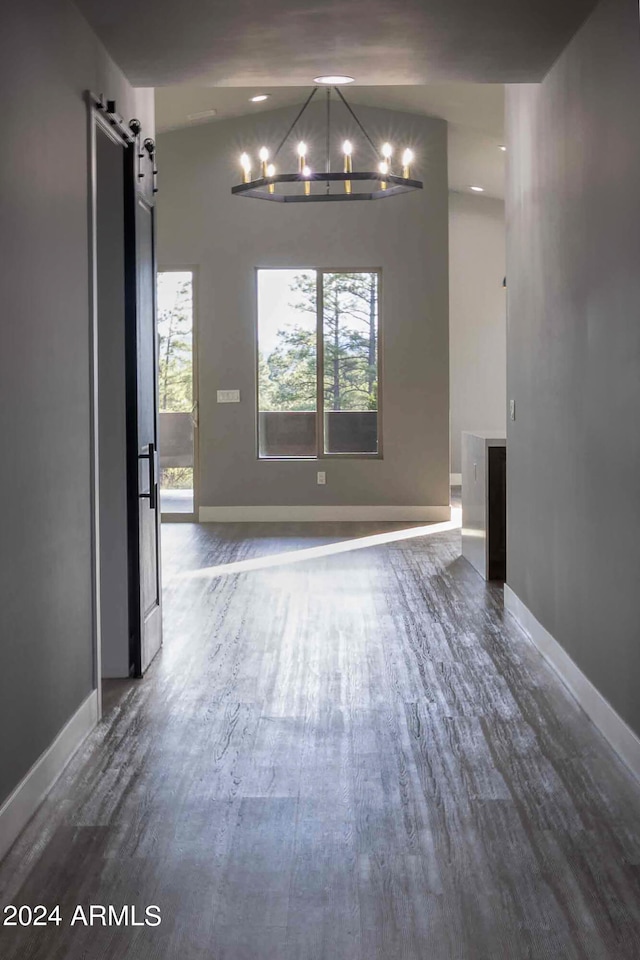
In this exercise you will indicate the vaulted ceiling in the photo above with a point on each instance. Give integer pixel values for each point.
(288, 42)
(474, 113)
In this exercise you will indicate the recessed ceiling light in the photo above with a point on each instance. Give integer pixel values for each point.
(333, 80)
(202, 114)
(259, 98)
(503, 148)
(478, 189)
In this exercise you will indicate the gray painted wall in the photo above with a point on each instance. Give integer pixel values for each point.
(48, 57)
(477, 317)
(226, 237)
(573, 241)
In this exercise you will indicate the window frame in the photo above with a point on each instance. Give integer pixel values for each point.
(320, 411)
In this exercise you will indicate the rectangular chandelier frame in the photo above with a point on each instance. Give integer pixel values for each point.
(260, 188)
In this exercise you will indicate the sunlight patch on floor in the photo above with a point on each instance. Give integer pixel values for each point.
(328, 549)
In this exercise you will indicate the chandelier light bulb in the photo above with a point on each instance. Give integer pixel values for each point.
(271, 172)
(306, 172)
(245, 163)
(383, 167)
(407, 160)
(264, 156)
(387, 151)
(302, 152)
(347, 149)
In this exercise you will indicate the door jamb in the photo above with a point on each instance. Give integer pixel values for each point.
(95, 120)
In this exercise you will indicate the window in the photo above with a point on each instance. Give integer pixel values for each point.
(318, 363)
(175, 391)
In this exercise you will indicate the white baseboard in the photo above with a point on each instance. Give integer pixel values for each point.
(20, 806)
(318, 513)
(621, 737)
(455, 479)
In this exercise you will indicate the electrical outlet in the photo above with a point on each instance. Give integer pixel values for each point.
(512, 409)
(228, 396)
(322, 477)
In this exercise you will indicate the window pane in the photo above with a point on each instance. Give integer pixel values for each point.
(287, 384)
(176, 489)
(350, 333)
(175, 390)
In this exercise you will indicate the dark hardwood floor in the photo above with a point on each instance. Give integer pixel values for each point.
(353, 757)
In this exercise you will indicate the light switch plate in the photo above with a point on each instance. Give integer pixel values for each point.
(228, 396)
(322, 477)
(512, 409)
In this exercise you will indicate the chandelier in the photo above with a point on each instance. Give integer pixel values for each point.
(298, 187)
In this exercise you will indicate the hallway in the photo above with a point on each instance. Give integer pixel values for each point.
(352, 757)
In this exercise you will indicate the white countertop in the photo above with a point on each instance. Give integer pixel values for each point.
(492, 438)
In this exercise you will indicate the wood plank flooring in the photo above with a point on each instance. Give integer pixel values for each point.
(353, 757)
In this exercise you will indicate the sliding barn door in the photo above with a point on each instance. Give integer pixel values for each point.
(142, 404)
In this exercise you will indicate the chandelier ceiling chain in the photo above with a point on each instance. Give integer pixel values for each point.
(328, 147)
(293, 125)
(386, 183)
(357, 120)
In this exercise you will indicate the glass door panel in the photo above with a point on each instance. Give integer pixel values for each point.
(176, 393)
(350, 332)
(287, 362)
